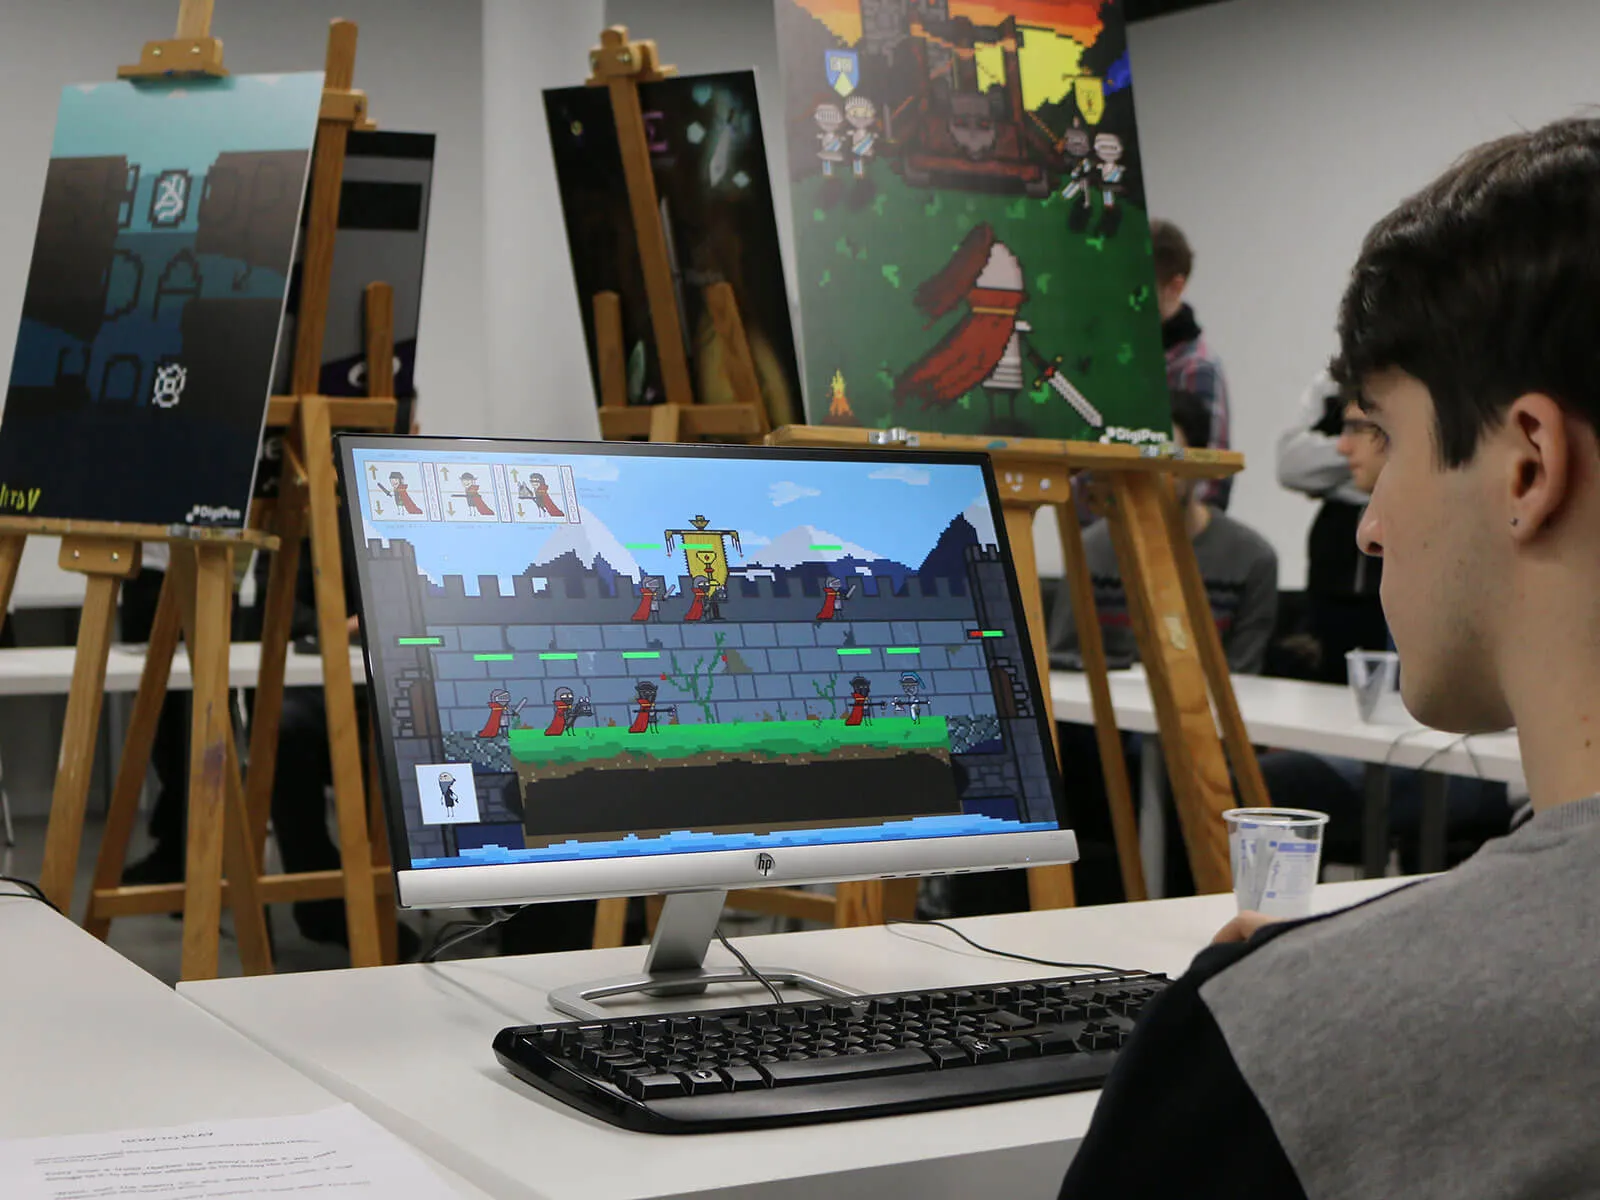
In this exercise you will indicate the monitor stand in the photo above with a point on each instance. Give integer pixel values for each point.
(674, 964)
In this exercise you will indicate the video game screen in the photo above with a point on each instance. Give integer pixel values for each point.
(592, 651)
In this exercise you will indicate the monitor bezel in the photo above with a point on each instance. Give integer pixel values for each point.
(501, 883)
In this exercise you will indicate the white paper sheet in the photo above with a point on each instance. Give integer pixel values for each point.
(334, 1153)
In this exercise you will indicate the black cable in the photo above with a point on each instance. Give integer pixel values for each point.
(466, 930)
(30, 890)
(777, 996)
(1043, 962)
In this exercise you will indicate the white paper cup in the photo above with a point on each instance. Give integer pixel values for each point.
(1375, 683)
(1276, 854)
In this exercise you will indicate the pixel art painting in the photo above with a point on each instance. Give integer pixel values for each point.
(710, 167)
(140, 379)
(655, 654)
(972, 247)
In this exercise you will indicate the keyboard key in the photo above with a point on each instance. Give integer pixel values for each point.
(742, 1078)
(1018, 1047)
(949, 1056)
(981, 1051)
(703, 1079)
(847, 1066)
(654, 1087)
(1056, 1041)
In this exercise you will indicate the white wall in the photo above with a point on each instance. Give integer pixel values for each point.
(538, 364)
(420, 62)
(1275, 132)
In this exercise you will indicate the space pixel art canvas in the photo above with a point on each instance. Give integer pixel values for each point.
(140, 379)
(971, 241)
(709, 161)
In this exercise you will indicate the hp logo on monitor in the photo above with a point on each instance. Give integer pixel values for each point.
(764, 863)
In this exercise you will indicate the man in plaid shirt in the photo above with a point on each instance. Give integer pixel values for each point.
(1191, 366)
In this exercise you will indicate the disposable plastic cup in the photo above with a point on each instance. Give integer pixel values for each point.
(1276, 854)
(1375, 683)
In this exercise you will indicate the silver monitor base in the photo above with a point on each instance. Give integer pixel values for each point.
(674, 964)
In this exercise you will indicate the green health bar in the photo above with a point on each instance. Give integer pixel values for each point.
(420, 641)
(562, 657)
(641, 654)
(827, 547)
(904, 650)
(493, 657)
(843, 650)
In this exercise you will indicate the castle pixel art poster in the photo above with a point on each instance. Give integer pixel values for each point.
(972, 246)
(139, 383)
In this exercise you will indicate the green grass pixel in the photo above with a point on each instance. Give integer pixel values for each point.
(772, 738)
(1090, 298)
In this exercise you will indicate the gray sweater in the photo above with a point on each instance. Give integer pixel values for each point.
(1441, 1042)
(1240, 569)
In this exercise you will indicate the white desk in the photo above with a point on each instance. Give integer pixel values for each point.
(93, 1044)
(47, 670)
(410, 1045)
(1321, 718)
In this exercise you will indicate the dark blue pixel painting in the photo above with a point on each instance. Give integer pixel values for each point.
(139, 383)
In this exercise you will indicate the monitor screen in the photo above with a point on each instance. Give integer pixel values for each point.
(615, 653)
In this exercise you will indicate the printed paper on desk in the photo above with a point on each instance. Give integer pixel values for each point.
(335, 1152)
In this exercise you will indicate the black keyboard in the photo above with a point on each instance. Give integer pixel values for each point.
(869, 1056)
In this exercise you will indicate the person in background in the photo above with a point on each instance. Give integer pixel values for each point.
(1239, 567)
(1322, 456)
(1191, 365)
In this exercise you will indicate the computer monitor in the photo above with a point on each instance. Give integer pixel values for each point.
(618, 669)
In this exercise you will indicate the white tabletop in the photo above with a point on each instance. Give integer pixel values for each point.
(91, 1044)
(1320, 718)
(410, 1045)
(47, 670)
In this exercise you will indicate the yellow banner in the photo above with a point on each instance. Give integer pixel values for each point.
(1091, 96)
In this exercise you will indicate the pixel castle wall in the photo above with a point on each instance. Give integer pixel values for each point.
(768, 659)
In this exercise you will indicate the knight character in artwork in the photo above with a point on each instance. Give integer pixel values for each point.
(472, 493)
(537, 490)
(502, 716)
(400, 492)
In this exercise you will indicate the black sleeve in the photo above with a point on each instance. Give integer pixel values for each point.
(1176, 1118)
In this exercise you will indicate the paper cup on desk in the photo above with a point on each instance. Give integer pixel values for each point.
(1276, 854)
(1375, 683)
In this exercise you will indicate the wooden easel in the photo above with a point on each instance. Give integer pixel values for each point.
(307, 499)
(1177, 637)
(197, 597)
(621, 66)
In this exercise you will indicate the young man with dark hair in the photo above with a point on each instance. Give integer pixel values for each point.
(1239, 567)
(1438, 1041)
(1191, 366)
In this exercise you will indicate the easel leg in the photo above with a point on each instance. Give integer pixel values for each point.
(277, 617)
(344, 745)
(1195, 761)
(135, 761)
(64, 834)
(11, 545)
(664, 422)
(203, 577)
(1113, 767)
(610, 920)
(858, 904)
(1048, 887)
(1241, 754)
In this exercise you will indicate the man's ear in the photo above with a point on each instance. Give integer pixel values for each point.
(1539, 467)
